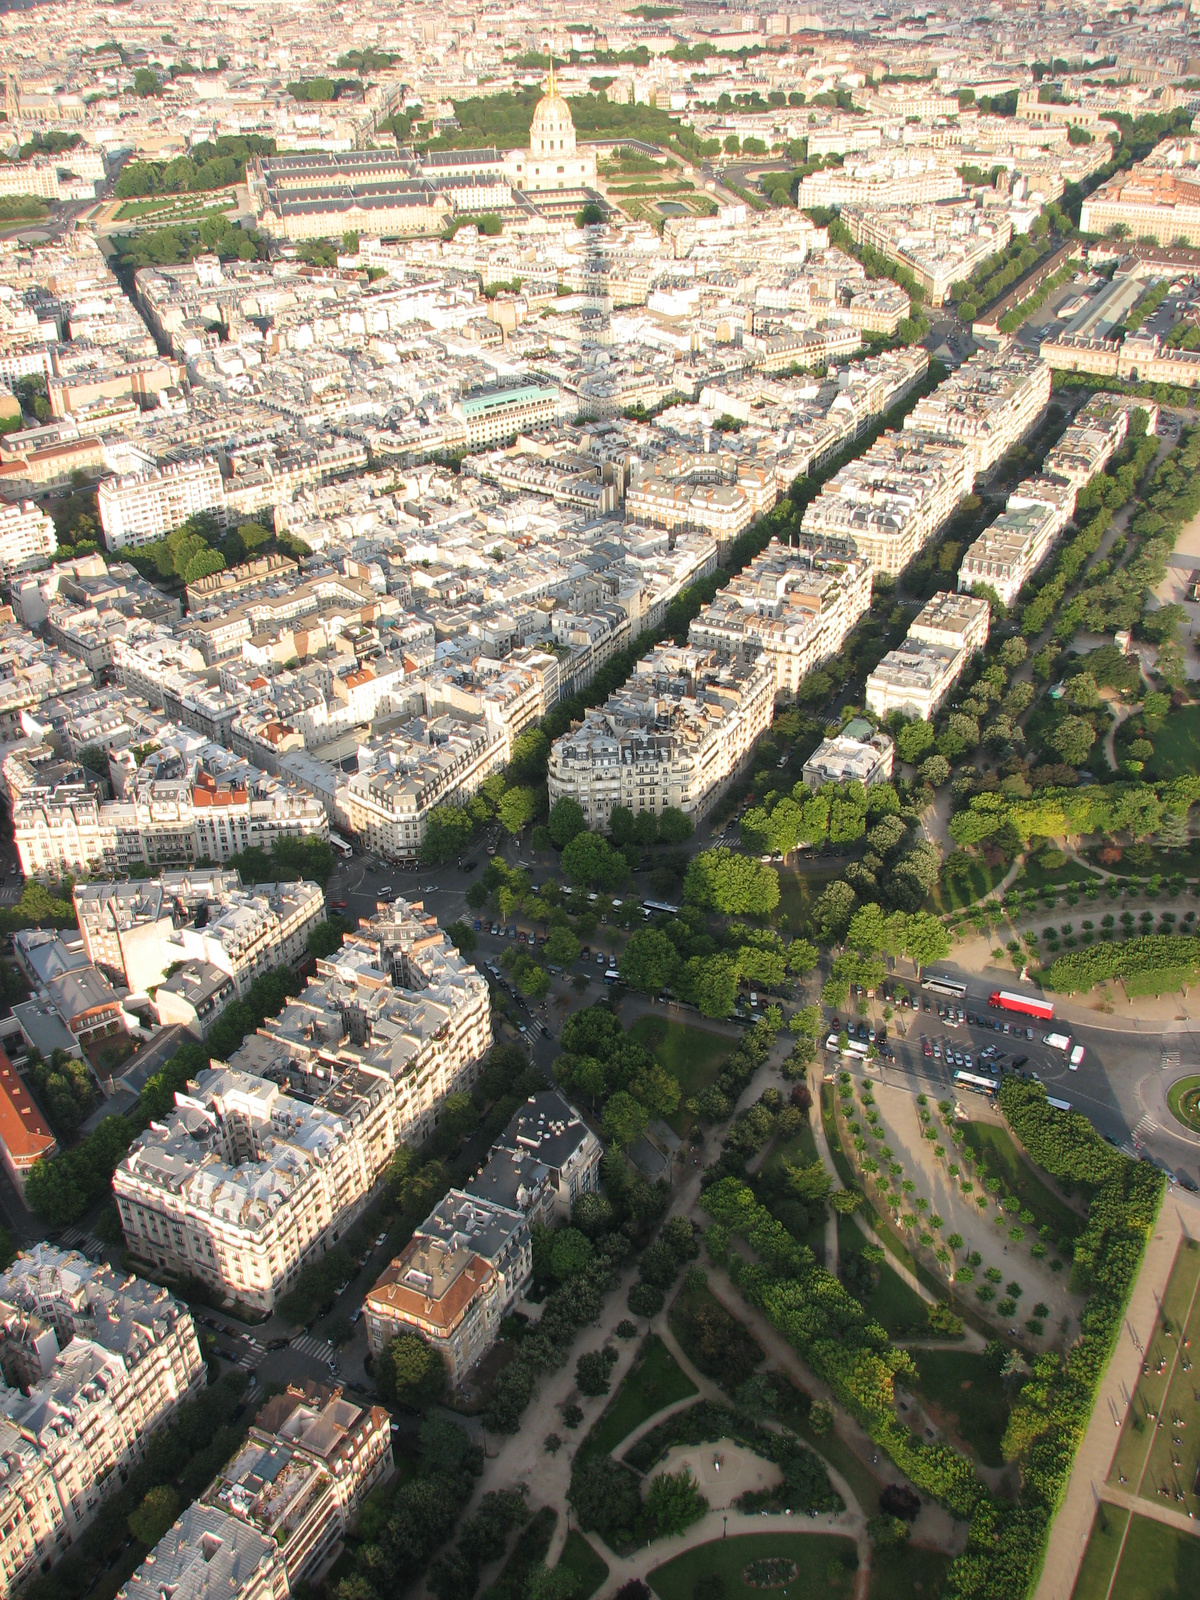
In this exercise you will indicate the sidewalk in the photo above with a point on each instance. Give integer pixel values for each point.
(1072, 1527)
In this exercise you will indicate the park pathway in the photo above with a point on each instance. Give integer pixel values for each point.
(1179, 1218)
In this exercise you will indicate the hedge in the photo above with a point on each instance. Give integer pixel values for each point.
(1156, 963)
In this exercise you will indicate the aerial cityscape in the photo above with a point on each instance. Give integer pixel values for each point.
(599, 719)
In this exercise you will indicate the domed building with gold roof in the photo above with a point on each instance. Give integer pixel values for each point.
(553, 161)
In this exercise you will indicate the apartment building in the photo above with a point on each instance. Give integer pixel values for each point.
(915, 678)
(429, 762)
(103, 1359)
(244, 1183)
(957, 621)
(1097, 433)
(1006, 554)
(207, 1552)
(398, 1005)
(69, 829)
(795, 607)
(25, 1135)
(674, 734)
(885, 506)
(471, 1257)
(27, 538)
(496, 415)
(498, 1234)
(446, 1293)
(1151, 200)
(547, 1129)
(940, 244)
(140, 507)
(988, 404)
(858, 754)
(310, 1459)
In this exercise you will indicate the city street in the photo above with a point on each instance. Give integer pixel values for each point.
(1120, 1085)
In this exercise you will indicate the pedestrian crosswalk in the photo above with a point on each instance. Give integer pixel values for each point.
(1170, 1057)
(1144, 1128)
(318, 1349)
(80, 1239)
(252, 1357)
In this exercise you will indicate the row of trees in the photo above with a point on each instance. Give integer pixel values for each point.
(211, 164)
(1058, 813)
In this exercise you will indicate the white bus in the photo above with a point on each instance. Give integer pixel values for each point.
(854, 1047)
(654, 908)
(340, 845)
(975, 1083)
(950, 987)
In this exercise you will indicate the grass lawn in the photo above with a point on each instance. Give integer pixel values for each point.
(692, 1055)
(800, 1150)
(821, 1559)
(1158, 1563)
(992, 1148)
(1096, 1568)
(1183, 1097)
(589, 1569)
(1033, 875)
(898, 1309)
(906, 1572)
(970, 1396)
(655, 1380)
(1175, 743)
(798, 890)
(951, 894)
(1146, 1454)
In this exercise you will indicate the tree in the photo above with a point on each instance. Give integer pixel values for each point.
(732, 883)
(408, 1370)
(462, 937)
(657, 1089)
(592, 1372)
(444, 1444)
(810, 1183)
(604, 1495)
(154, 1516)
(674, 826)
(571, 1253)
(565, 821)
(914, 739)
(867, 931)
(202, 564)
(555, 1583)
(448, 832)
(625, 1119)
(711, 982)
(516, 808)
(926, 940)
(589, 861)
(451, 1576)
(649, 961)
(1073, 738)
(832, 911)
(674, 1502)
(562, 947)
